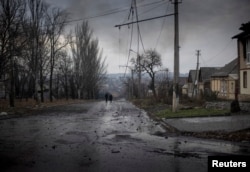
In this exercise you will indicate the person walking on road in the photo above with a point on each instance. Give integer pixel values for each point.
(110, 98)
(106, 97)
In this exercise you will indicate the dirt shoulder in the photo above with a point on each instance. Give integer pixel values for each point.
(235, 136)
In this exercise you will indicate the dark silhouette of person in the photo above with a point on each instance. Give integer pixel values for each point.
(110, 97)
(106, 97)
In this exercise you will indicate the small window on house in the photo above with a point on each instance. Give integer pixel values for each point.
(244, 79)
(248, 50)
(232, 87)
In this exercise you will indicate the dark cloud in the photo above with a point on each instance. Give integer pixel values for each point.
(207, 25)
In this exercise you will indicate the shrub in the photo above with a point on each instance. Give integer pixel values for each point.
(235, 106)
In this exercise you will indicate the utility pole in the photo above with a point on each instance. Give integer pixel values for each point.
(138, 49)
(175, 101)
(196, 80)
(197, 73)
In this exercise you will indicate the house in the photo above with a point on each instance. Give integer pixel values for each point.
(243, 41)
(191, 82)
(185, 89)
(182, 85)
(204, 79)
(224, 81)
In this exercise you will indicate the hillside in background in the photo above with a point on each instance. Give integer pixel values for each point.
(114, 83)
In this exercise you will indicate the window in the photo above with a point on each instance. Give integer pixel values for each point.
(223, 87)
(244, 79)
(248, 50)
(232, 87)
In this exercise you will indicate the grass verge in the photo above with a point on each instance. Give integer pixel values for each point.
(196, 112)
(164, 111)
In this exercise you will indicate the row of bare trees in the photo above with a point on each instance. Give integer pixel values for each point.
(36, 54)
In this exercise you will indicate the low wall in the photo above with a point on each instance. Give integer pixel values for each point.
(245, 106)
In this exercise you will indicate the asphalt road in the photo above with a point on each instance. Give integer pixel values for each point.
(97, 136)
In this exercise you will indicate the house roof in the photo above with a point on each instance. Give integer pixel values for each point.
(241, 35)
(182, 80)
(206, 72)
(191, 75)
(230, 68)
(245, 27)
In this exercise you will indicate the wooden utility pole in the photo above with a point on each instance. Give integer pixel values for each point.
(175, 102)
(196, 80)
(138, 49)
(197, 73)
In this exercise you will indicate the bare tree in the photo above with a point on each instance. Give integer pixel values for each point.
(65, 68)
(36, 33)
(89, 69)
(11, 17)
(83, 35)
(57, 21)
(150, 61)
(96, 69)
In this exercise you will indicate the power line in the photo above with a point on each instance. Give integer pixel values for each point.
(109, 12)
(222, 50)
(163, 24)
(139, 31)
(130, 45)
(166, 15)
(157, 6)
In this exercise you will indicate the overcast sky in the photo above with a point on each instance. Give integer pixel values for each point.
(206, 25)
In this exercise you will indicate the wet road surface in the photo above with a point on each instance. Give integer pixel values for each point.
(102, 137)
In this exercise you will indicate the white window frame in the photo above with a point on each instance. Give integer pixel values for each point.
(248, 50)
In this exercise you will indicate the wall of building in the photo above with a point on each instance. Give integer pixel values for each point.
(244, 106)
(229, 90)
(247, 89)
(244, 93)
(215, 84)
